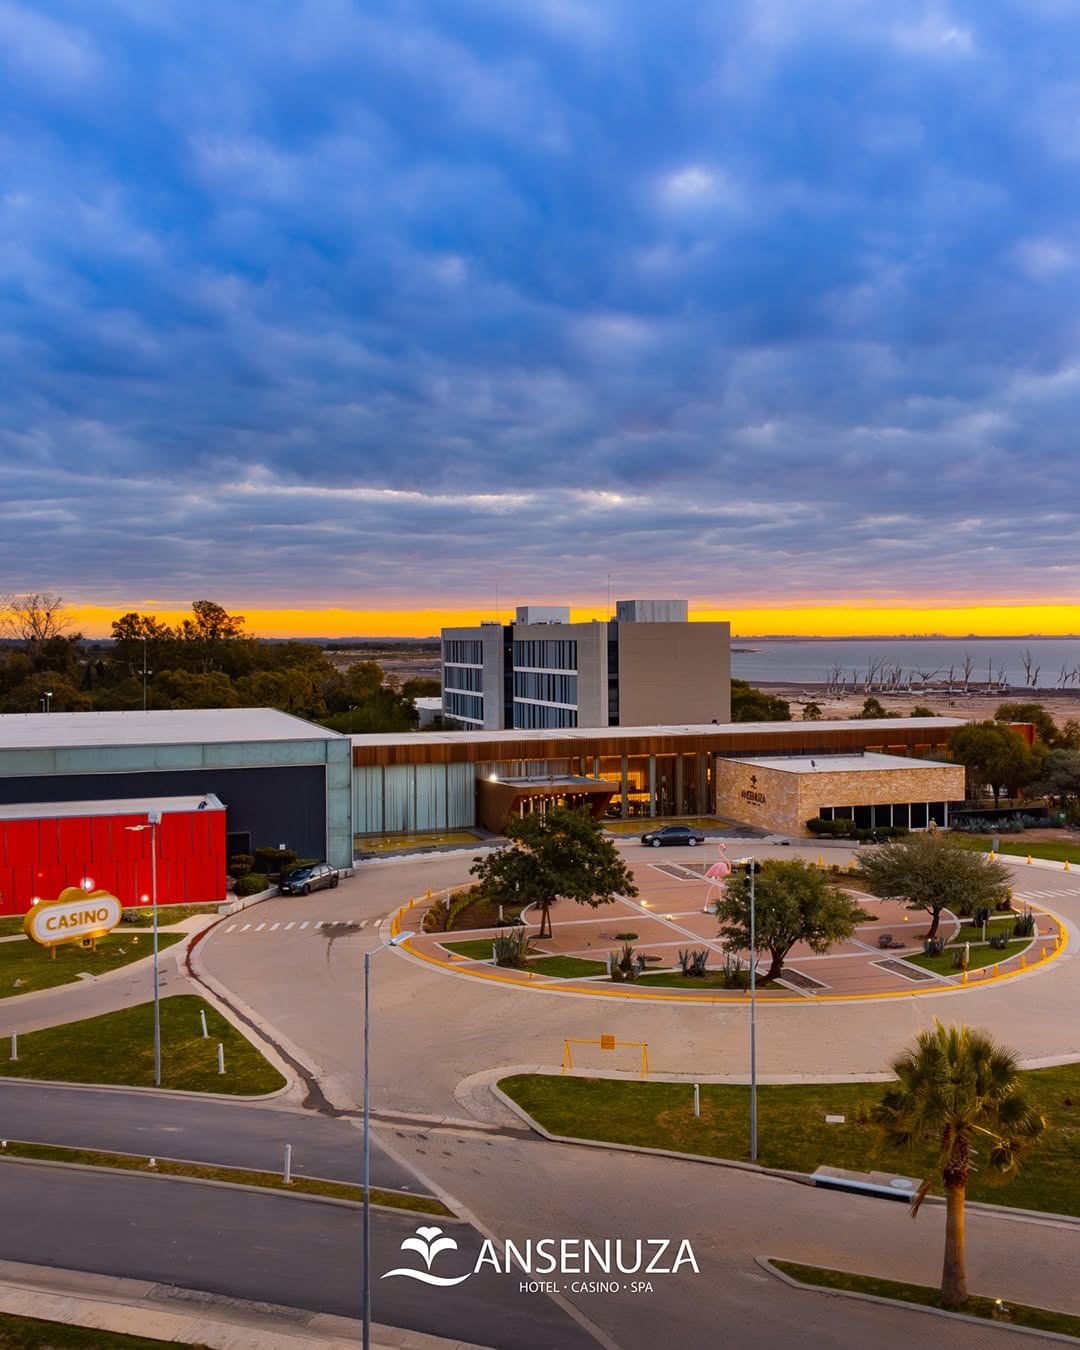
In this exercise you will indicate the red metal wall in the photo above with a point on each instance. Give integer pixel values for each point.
(41, 857)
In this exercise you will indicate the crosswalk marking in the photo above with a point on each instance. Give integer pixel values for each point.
(230, 928)
(304, 924)
(274, 925)
(245, 928)
(318, 923)
(289, 925)
(259, 927)
(363, 923)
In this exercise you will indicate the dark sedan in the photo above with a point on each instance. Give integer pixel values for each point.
(673, 834)
(314, 877)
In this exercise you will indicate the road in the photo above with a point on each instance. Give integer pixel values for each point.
(193, 1129)
(261, 1247)
(432, 1029)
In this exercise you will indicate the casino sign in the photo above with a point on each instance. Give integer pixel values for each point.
(74, 916)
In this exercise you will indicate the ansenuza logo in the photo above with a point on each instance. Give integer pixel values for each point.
(553, 1256)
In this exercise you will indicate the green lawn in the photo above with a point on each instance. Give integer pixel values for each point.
(118, 1049)
(168, 915)
(1019, 1314)
(32, 1333)
(25, 966)
(675, 979)
(971, 932)
(792, 1133)
(942, 964)
(476, 949)
(1015, 847)
(568, 967)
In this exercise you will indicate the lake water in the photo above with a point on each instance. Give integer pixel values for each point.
(814, 662)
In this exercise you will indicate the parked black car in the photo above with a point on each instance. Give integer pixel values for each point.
(673, 834)
(314, 877)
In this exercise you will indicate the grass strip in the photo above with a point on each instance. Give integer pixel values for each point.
(235, 1176)
(942, 963)
(1016, 848)
(35, 1333)
(168, 915)
(792, 1133)
(675, 979)
(1016, 1314)
(117, 1049)
(26, 967)
(568, 967)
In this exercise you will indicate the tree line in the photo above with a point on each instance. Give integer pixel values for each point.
(206, 660)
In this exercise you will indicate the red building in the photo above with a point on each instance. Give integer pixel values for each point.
(47, 846)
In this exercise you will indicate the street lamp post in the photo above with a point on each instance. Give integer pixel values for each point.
(365, 1294)
(153, 820)
(752, 866)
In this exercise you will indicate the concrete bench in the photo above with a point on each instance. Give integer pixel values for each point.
(884, 1184)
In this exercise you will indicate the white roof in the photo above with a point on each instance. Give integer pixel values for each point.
(119, 806)
(839, 763)
(178, 726)
(870, 729)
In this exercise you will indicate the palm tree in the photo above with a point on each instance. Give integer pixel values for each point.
(956, 1088)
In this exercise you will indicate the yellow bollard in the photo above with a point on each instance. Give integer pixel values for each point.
(1066, 865)
(993, 854)
(1044, 951)
(964, 980)
(1023, 960)
(1029, 859)
(428, 896)
(852, 865)
(821, 860)
(995, 972)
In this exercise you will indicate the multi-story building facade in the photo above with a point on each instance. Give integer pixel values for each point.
(646, 667)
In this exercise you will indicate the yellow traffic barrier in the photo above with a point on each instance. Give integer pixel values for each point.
(606, 1042)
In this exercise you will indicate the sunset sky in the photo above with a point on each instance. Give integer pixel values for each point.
(373, 317)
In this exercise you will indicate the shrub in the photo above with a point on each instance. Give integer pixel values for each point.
(693, 962)
(959, 959)
(840, 828)
(625, 937)
(240, 864)
(251, 883)
(1000, 941)
(933, 946)
(511, 948)
(275, 860)
(1024, 925)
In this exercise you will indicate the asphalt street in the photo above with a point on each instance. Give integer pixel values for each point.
(260, 1247)
(194, 1129)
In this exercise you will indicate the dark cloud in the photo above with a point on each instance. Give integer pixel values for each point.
(362, 304)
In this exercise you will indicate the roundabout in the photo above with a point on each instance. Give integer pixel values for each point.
(673, 916)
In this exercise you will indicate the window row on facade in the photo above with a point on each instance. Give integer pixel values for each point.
(463, 651)
(911, 815)
(546, 654)
(463, 677)
(543, 715)
(545, 688)
(468, 706)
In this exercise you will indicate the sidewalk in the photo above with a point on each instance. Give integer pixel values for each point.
(138, 1308)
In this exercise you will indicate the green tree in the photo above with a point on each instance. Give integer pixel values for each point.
(1060, 777)
(421, 687)
(959, 1092)
(562, 853)
(794, 901)
(930, 871)
(1045, 727)
(872, 708)
(751, 705)
(811, 712)
(212, 636)
(993, 754)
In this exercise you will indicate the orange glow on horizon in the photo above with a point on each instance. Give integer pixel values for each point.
(859, 620)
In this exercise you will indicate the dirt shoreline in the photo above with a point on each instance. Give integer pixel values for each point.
(1060, 704)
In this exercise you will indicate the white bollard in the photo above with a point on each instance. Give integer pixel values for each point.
(220, 1058)
(14, 1045)
(202, 1018)
(697, 1100)
(494, 958)
(287, 1174)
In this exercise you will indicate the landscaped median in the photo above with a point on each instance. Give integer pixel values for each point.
(793, 1133)
(978, 1306)
(25, 967)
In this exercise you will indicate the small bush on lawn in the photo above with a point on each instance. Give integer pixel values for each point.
(240, 864)
(251, 884)
(275, 861)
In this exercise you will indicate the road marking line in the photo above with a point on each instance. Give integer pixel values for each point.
(259, 927)
(363, 923)
(304, 924)
(289, 925)
(318, 923)
(230, 928)
(245, 928)
(274, 925)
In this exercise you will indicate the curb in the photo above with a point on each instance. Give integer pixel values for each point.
(766, 1264)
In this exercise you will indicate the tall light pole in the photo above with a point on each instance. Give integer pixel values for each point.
(153, 820)
(365, 1293)
(752, 866)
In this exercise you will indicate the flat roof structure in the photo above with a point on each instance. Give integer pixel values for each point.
(124, 806)
(178, 726)
(871, 762)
